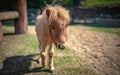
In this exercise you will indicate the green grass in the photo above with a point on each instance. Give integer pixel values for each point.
(8, 29)
(107, 30)
(92, 3)
(18, 54)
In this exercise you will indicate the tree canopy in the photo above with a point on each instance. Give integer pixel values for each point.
(69, 3)
(7, 4)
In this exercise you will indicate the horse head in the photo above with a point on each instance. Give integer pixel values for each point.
(58, 20)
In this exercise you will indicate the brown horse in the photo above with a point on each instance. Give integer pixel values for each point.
(51, 28)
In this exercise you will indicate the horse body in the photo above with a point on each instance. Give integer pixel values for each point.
(42, 29)
(51, 29)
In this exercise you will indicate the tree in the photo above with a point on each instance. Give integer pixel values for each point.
(76, 2)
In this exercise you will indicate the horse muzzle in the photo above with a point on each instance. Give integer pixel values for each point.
(61, 46)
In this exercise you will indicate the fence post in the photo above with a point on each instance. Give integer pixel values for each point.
(21, 23)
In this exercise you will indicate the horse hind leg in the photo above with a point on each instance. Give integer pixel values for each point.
(50, 56)
(42, 53)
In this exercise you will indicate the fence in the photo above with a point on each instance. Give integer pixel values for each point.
(93, 15)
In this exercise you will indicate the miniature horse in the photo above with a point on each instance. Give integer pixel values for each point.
(51, 28)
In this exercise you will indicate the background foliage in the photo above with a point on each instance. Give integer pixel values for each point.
(101, 3)
(7, 4)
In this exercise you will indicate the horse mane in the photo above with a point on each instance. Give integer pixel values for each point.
(57, 12)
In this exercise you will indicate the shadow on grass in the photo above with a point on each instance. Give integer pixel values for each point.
(6, 34)
(19, 65)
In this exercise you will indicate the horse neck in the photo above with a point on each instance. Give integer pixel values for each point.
(46, 24)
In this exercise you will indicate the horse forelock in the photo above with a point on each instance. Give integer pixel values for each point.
(57, 12)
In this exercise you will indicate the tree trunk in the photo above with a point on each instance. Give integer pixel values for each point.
(1, 33)
(21, 23)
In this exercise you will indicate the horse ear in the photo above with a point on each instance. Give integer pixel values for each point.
(68, 11)
(48, 11)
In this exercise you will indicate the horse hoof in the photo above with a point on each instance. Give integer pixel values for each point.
(52, 69)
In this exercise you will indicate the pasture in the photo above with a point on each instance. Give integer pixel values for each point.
(90, 51)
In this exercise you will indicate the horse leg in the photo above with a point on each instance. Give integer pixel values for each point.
(50, 56)
(42, 53)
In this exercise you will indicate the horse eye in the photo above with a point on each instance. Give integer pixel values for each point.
(66, 26)
(52, 27)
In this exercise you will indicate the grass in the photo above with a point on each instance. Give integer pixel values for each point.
(8, 29)
(19, 54)
(107, 30)
(92, 3)
(107, 27)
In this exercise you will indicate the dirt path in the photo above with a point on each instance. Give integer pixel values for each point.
(100, 50)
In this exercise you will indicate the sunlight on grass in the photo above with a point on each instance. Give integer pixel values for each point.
(108, 30)
(8, 29)
(21, 50)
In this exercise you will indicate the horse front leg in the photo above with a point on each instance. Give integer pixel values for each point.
(42, 53)
(50, 56)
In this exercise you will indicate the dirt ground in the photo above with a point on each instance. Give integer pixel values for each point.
(101, 50)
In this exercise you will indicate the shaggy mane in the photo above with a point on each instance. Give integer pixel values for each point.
(57, 12)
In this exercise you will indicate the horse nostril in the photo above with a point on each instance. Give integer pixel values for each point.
(60, 46)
